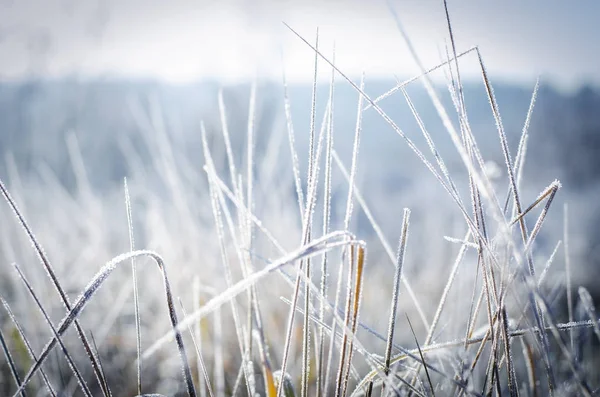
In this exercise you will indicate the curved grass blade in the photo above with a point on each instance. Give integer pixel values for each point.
(87, 294)
(316, 247)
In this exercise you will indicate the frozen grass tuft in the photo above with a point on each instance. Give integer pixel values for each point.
(242, 242)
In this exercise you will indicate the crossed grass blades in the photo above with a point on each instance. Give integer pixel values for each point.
(328, 274)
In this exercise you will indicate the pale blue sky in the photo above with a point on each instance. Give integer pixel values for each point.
(185, 40)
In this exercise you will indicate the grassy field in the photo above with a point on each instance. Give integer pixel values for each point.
(248, 267)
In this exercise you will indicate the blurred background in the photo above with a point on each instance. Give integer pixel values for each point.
(94, 70)
(95, 91)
